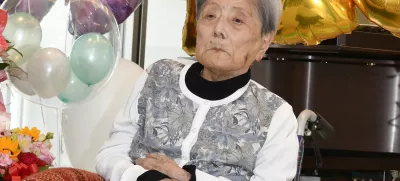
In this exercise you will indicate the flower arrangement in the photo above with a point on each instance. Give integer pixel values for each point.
(24, 152)
(5, 46)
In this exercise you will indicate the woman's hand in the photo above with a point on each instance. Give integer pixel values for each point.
(164, 165)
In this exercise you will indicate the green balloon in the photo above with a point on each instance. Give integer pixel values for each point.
(23, 29)
(76, 91)
(92, 58)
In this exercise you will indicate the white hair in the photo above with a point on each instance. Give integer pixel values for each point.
(269, 11)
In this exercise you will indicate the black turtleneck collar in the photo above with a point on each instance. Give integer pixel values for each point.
(213, 90)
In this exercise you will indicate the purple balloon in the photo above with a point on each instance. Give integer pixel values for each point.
(88, 17)
(36, 8)
(122, 9)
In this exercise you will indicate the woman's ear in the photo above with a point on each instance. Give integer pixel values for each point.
(266, 41)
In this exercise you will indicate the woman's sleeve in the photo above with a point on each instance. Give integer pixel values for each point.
(113, 162)
(277, 159)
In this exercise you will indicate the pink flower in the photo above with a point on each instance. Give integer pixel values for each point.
(5, 160)
(4, 54)
(2, 171)
(42, 150)
(36, 151)
(3, 44)
(3, 77)
(3, 20)
(47, 158)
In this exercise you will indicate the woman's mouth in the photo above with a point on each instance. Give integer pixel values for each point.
(217, 49)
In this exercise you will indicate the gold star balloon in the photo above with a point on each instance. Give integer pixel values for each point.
(385, 13)
(312, 21)
(189, 30)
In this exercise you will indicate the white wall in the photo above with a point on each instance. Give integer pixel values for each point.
(165, 22)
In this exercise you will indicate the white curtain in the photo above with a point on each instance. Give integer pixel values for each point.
(168, 16)
(25, 113)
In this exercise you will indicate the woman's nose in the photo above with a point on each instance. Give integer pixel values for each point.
(220, 29)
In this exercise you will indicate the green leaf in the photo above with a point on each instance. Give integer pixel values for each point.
(8, 41)
(18, 52)
(49, 136)
(41, 169)
(3, 66)
(9, 48)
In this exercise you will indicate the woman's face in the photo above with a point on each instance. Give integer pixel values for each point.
(229, 35)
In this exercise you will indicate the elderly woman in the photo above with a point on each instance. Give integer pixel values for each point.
(207, 120)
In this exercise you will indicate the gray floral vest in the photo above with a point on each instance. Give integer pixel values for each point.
(229, 139)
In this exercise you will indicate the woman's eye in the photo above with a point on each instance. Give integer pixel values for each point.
(238, 21)
(210, 16)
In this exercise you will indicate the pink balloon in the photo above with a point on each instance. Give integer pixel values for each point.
(36, 8)
(86, 16)
(89, 16)
(122, 9)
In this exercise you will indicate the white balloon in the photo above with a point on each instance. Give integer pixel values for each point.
(19, 79)
(22, 28)
(48, 72)
(86, 126)
(20, 82)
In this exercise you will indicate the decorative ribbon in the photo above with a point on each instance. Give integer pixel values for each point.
(15, 178)
(14, 171)
(33, 168)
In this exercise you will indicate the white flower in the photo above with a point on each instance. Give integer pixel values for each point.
(41, 137)
(48, 144)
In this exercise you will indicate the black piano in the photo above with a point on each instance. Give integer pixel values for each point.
(353, 81)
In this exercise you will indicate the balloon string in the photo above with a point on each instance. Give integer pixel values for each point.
(41, 109)
(11, 95)
(60, 150)
(29, 7)
(16, 6)
(60, 122)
